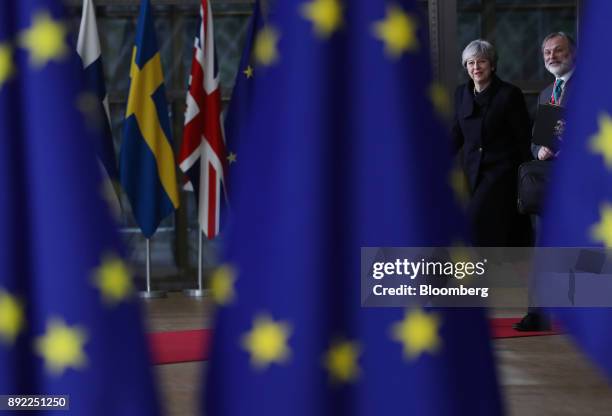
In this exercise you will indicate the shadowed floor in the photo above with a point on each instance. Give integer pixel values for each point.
(540, 376)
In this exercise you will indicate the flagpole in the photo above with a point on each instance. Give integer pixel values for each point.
(150, 294)
(199, 292)
(148, 265)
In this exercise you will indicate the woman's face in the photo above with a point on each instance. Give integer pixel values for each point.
(479, 69)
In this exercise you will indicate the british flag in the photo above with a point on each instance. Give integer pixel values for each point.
(202, 156)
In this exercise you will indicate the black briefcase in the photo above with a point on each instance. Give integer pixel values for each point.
(549, 126)
(533, 180)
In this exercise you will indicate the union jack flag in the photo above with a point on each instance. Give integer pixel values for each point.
(202, 156)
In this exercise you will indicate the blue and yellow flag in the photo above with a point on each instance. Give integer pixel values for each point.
(146, 161)
(342, 150)
(240, 104)
(580, 204)
(69, 323)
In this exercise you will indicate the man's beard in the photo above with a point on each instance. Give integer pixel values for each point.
(559, 69)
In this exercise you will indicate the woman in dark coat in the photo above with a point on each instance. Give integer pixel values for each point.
(493, 127)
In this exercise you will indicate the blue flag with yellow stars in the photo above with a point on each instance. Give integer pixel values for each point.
(343, 150)
(146, 160)
(69, 324)
(240, 104)
(580, 204)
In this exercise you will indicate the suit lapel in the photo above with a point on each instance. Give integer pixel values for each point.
(546, 94)
(566, 89)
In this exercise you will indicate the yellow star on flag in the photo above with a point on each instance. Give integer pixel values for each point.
(602, 141)
(266, 46)
(418, 333)
(222, 285)
(440, 99)
(114, 280)
(341, 361)
(62, 347)
(461, 253)
(602, 231)
(7, 67)
(458, 182)
(45, 40)
(267, 342)
(248, 72)
(12, 320)
(232, 158)
(326, 15)
(397, 31)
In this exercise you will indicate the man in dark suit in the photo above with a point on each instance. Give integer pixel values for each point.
(559, 53)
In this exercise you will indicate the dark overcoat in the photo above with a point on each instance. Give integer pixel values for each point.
(494, 130)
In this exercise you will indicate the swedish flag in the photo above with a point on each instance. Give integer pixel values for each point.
(147, 165)
(69, 321)
(343, 150)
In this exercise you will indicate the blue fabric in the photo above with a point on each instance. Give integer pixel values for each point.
(105, 150)
(146, 38)
(141, 161)
(57, 230)
(342, 150)
(582, 182)
(150, 203)
(240, 104)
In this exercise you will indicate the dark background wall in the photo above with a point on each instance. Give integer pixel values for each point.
(515, 27)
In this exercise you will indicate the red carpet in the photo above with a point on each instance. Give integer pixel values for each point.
(180, 346)
(502, 328)
(194, 345)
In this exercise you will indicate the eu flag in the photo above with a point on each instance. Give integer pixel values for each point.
(69, 323)
(580, 204)
(240, 104)
(146, 160)
(343, 149)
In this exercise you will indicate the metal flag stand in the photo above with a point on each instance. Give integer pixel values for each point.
(150, 294)
(199, 292)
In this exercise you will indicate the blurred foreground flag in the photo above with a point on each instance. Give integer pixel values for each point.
(580, 204)
(203, 156)
(342, 150)
(147, 167)
(69, 324)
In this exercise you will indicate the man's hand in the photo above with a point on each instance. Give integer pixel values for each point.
(545, 153)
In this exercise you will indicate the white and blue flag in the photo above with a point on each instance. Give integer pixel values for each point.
(88, 48)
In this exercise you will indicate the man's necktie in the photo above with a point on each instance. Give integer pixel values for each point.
(557, 90)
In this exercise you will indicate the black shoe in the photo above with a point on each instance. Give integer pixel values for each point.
(533, 322)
